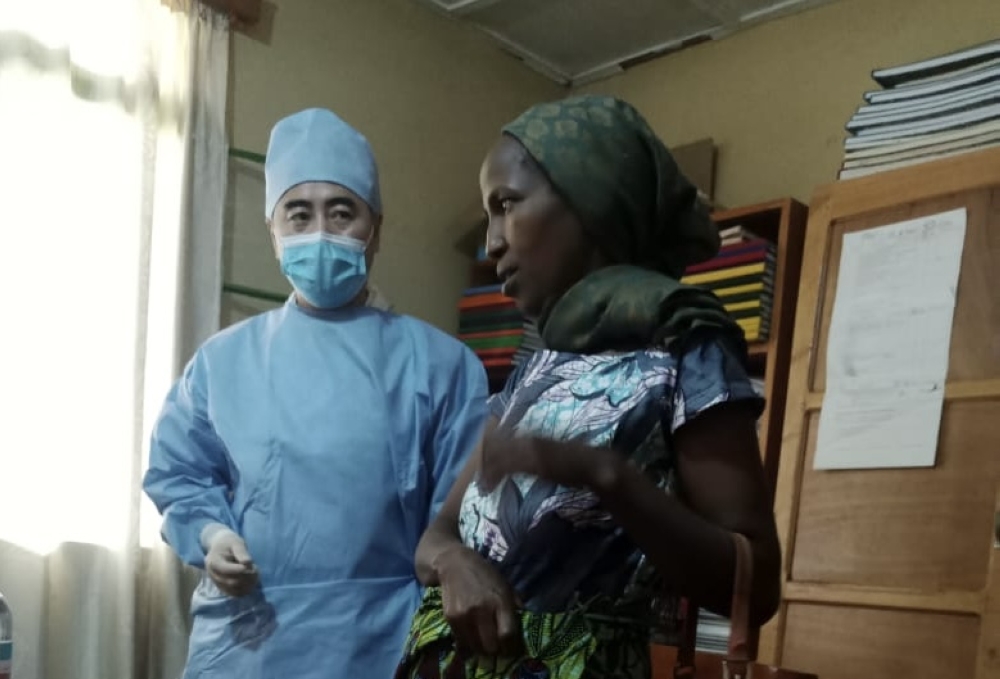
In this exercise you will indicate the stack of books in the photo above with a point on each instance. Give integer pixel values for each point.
(926, 110)
(742, 276)
(492, 327)
(713, 633)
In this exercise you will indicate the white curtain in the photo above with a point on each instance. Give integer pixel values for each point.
(112, 179)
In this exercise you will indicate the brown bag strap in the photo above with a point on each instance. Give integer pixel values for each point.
(742, 649)
(685, 647)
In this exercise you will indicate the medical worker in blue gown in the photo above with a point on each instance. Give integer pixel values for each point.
(302, 453)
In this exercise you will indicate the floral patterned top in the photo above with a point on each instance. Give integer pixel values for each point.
(556, 546)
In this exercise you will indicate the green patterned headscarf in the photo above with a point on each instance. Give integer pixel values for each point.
(620, 180)
(644, 215)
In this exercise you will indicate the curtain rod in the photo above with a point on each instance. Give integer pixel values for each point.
(247, 155)
(255, 293)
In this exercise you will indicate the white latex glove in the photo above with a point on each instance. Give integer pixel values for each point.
(227, 561)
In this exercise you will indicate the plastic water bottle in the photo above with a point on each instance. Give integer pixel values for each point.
(6, 640)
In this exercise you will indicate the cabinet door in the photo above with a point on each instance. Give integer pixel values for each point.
(893, 573)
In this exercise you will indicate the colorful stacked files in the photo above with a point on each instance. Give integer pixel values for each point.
(742, 275)
(492, 327)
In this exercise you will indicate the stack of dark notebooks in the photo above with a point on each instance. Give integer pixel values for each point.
(926, 110)
(742, 276)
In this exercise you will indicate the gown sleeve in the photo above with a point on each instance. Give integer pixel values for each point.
(460, 419)
(189, 478)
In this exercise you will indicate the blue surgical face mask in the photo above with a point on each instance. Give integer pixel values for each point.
(327, 270)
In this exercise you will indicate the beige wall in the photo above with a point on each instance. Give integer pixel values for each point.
(776, 97)
(429, 94)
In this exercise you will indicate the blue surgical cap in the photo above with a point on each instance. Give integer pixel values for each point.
(317, 146)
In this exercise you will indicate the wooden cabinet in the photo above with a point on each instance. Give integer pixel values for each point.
(894, 573)
(782, 222)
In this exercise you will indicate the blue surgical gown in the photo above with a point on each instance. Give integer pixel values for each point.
(327, 441)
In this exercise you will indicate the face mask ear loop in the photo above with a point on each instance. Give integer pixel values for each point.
(368, 242)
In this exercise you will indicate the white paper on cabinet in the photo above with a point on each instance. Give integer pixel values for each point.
(887, 355)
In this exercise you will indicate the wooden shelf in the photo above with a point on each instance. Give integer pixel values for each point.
(783, 223)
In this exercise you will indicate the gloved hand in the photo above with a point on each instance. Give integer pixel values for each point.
(227, 561)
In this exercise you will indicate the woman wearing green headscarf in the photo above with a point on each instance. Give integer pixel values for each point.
(618, 461)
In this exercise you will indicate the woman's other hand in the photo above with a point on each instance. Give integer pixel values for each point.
(478, 604)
